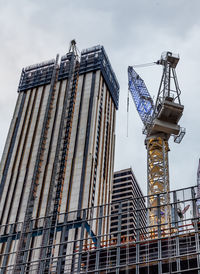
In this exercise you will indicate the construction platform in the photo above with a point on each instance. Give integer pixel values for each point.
(171, 248)
(152, 256)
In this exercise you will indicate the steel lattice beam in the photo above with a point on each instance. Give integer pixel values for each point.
(158, 182)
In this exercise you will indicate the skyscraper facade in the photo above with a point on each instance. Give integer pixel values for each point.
(58, 158)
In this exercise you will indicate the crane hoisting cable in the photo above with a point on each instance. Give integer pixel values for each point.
(127, 111)
(145, 65)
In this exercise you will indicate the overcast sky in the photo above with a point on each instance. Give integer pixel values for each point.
(132, 32)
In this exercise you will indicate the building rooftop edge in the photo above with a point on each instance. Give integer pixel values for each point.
(128, 169)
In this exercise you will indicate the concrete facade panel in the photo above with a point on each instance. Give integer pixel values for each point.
(9, 186)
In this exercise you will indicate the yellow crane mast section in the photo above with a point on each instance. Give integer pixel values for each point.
(158, 178)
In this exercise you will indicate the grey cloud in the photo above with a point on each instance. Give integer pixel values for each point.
(133, 32)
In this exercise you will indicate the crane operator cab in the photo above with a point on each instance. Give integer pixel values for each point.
(170, 58)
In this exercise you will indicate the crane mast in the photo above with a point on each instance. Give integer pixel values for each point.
(160, 122)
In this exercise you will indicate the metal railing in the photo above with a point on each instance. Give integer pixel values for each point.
(95, 249)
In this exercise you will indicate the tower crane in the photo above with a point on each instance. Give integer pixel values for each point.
(160, 121)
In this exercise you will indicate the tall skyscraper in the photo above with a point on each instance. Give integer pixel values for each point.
(126, 191)
(58, 158)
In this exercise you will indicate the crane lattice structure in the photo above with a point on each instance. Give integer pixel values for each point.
(160, 122)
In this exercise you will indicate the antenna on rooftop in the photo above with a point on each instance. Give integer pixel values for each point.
(72, 47)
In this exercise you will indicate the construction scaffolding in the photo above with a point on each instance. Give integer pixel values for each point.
(173, 248)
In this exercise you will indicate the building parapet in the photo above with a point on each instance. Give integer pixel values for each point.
(36, 75)
(95, 58)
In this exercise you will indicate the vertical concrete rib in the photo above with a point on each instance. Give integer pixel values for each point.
(33, 143)
(10, 179)
(18, 189)
(10, 133)
(93, 149)
(24, 240)
(102, 149)
(15, 205)
(47, 173)
(46, 170)
(85, 155)
(53, 204)
(96, 146)
(64, 234)
(12, 143)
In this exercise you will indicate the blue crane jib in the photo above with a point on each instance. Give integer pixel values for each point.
(141, 97)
